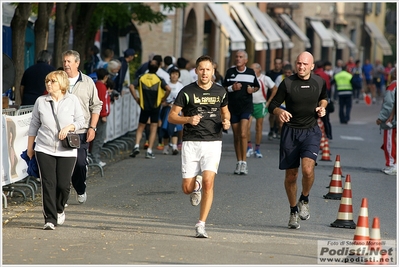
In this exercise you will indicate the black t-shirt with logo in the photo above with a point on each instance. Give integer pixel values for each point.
(208, 103)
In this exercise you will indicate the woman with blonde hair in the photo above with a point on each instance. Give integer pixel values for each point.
(56, 163)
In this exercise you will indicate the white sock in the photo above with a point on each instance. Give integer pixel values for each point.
(200, 223)
(136, 145)
(149, 150)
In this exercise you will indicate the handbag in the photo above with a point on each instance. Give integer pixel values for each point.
(72, 140)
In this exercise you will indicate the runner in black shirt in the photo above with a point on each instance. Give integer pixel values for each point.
(204, 114)
(300, 135)
(241, 82)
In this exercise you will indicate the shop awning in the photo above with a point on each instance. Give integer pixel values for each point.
(375, 33)
(296, 29)
(339, 40)
(267, 28)
(351, 44)
(288, 44)
(243, 18)
(227, 25)
(325, 36)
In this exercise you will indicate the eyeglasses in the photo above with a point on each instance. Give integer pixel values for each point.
(52, 81)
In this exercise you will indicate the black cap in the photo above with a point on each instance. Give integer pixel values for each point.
(129, 52)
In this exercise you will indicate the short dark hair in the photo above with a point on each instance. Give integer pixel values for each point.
(168, 60)
(319, 64)
(287, 67)
(174, 69)
(203, 58)
(153, 66)
(181, 63)
(158, 58)
(101, 73)
(327, 63)
(357, 62)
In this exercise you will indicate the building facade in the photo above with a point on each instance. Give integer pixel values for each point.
(330, 31)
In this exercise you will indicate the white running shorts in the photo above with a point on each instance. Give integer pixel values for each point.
(199, 156)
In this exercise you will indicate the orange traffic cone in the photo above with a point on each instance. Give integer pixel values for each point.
(345, 211)
(375, 245)
(325, 156)
(337, 167)
(362, 234)
(335, 191)
(322, 142)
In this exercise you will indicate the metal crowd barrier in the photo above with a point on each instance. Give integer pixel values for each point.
(121, 122)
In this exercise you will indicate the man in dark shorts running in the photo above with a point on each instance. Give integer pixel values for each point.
(305, 96)
(240, 82)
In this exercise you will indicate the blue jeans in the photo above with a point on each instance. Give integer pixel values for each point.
(345, 106)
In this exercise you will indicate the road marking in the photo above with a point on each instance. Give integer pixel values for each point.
(355, 138)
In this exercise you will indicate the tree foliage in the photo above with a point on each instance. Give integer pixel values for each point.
(85, 18)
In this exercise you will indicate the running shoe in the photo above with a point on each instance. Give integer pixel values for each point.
(244, 168)
(238, 168)
(160, 147)
(166, 150)
(304, 212)
(82, 198)
(391, 171)
(200, 231)
(49, 226)
(270, 137)
(135, 152)
(149, 155)
(195, 196)
(293, 222)
(61, 218)
(258, 154)
(250, 152)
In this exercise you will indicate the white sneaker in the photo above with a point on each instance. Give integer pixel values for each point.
(166, 150)
(238, 168)
(195, 196)
(391, 171)
(61, 218)
(244, 168)
(250, 152)
(304, 211)
(82, 198)
(200, 231)
(49, 226)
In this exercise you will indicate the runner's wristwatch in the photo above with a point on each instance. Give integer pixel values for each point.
(94, 128)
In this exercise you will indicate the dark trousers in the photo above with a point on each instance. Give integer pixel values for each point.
(80, 171)
(345, 106)
(55, 176)
(98, 141)
(356, 92)
(327, 125)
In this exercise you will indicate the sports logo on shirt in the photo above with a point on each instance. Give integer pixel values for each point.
(205, 100)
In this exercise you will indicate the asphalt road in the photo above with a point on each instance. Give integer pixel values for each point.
(137, 214)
